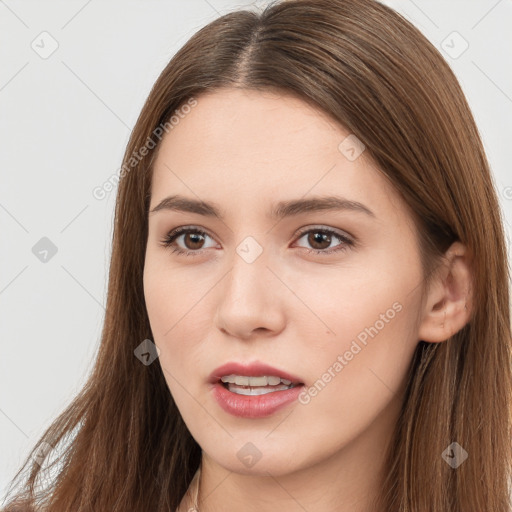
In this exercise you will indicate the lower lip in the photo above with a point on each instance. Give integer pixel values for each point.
(254, 406)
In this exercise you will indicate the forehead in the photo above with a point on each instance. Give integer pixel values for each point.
(245, 122)
(241, 146)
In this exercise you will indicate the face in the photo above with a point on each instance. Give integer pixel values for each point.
(329, 295)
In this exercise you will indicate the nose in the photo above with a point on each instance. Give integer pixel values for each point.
(250, 300)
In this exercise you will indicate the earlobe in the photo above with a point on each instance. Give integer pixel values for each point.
(448, 307)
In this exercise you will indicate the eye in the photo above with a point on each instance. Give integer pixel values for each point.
(194, 239)
(319, 238)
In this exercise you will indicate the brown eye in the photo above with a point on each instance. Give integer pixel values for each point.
(192, 243)
(321, 238)
(193, 240)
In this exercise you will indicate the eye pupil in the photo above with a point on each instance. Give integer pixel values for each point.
(316, 237)
(197, 238)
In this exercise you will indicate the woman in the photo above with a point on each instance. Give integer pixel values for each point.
(308, 300)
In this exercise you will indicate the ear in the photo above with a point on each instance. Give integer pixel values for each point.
(447, 308)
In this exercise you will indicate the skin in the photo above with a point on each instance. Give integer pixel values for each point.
(244, 151)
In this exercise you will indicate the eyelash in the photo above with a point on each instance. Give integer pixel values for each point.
(171, 236)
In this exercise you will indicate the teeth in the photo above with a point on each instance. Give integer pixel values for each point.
(242, 380)
(255, 391)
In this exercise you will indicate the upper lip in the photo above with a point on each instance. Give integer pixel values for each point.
(254, 369)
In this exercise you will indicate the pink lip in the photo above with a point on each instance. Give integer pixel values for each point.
(253, 406)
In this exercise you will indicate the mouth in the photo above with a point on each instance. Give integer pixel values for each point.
(250, 385)
(254, 390)
(253, 379)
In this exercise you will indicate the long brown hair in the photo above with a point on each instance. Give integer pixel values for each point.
(122, 444)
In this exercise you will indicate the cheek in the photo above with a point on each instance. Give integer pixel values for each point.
(170, 295)
(174, 306)
(361, 334)
(339, 304)
(163, 308)
(156, 296)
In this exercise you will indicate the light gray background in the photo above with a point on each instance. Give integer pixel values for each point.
(64, 124)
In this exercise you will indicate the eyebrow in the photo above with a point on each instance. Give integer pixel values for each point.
(280, 210)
